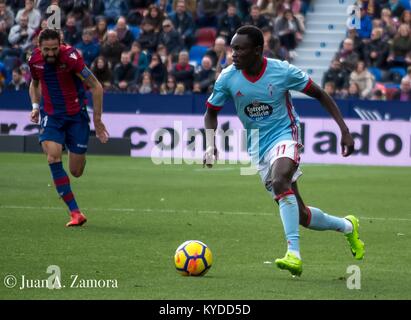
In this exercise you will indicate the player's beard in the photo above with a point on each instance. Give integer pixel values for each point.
(50, 59)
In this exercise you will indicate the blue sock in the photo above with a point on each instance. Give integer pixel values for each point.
(290, 217)
(322, 221)
(62, 183)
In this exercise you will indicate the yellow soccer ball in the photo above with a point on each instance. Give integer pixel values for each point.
(193, 258)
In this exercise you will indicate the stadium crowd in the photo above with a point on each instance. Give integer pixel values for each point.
(181, 46)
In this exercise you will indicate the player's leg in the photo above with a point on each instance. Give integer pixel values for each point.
(282, 172)
(315, 219)
(77, 135)
(77, 163)
(61, 180)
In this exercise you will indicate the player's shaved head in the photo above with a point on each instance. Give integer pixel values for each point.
(253, 33)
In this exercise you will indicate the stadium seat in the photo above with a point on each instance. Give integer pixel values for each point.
(389, 93)
(135, 31)
(205, 36)
(197, 53)
(376, 72)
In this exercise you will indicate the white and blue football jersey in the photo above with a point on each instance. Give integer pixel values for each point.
(262, 102)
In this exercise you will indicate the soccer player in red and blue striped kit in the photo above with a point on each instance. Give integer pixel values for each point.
(58, 76)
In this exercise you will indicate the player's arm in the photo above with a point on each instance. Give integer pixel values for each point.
(97, 92)
(35, 95)
(347, 142)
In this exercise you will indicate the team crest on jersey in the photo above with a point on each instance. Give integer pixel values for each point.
(258, 111)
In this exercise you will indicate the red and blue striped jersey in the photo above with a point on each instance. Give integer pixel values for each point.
(62, 90)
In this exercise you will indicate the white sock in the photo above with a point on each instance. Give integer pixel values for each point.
(348, 226)
(296, 253)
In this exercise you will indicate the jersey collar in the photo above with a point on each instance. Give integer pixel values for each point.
(257, 77)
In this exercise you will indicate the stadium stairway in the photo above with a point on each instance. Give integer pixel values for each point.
(325, 28)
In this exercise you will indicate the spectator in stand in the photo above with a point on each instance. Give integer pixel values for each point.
(32, 13)
(82, 15)
(272, 46)
(347, 56)
(138, 57)
(146, 84)
(4, 43)
(170, 86)
(156, 16)
(6, 15)
(125, 74)
(112, 48)
(183, 22)
(72, 35)
(256, 18)
(358, 43)
(406, 18)
(408, 75)
(395, 7)
(404, 94)
(376, 51)
(148, 38)
(329, 87)
(364, 32)
(388, 24)
(364, 79)
(101, 29)
(114, 9)
(102, 70)
(170, 38)
(20, 36)
(218, 53)
(166, 6)
(183, 71)
(124, 35)
(353, 91)
(205, 75)
(157, 70)
(400, 47)
(229, 23)
(378, 95)
(90, 50)
(289, 30)
(165, 57)
(17, 83)
(180, 89)
(338, 76)
(208, 12)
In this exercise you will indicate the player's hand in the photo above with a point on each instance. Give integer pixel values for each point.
(101, 131)
(347, 144)
(34, 116)
(210, 157)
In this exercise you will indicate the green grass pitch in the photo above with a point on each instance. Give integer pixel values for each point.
(140, 212)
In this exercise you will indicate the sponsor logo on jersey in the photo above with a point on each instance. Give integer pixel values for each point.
(258, 111)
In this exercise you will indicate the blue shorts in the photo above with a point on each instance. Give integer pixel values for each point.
(69, 131)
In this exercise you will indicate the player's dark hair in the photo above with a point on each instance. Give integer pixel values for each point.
(49, 34)
(254, 34)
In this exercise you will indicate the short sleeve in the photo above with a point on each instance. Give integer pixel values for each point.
(297, 79)
(33, 71)
(76, 62)
(219, 96)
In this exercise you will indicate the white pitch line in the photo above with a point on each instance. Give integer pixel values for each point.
(150, 210)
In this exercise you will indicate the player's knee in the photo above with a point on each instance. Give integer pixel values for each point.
(280, 185)
(76, 172)
(53, 159)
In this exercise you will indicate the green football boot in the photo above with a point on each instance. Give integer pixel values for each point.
(356, 245)
(291, 263)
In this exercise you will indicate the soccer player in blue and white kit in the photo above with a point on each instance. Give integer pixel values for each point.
(260, 90)
(58, 73)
